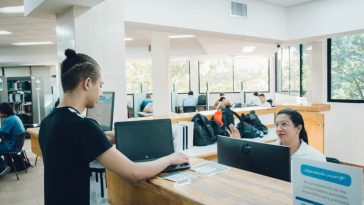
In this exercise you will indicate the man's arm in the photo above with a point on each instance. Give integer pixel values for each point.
(115, 161)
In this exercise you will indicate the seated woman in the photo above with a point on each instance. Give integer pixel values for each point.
(10, 129)
(291, 132)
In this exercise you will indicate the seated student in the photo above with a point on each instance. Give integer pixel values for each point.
(291, 132)
(190, 100)
(222, 103)
(148, 99)
(263, 102)
(9, 131)
(70, 141)
(254, 101)
(217, 102)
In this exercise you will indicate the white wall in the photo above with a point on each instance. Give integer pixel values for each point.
(28, 55)
(264, 20)
(324, 17)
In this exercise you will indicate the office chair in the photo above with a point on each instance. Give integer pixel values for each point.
(18, 150)
(202, 102)
(99, 171)
(189, 109)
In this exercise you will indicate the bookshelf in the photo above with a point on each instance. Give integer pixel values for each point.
(20, 97)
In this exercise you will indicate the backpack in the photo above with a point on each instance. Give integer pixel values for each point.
(252, 118)
(203, 132)
(21, 161)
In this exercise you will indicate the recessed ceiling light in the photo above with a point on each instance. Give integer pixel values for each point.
(32, 43)
(248, 49)
(4, 32)
(11, 10)
(128, 39)
(181, 36)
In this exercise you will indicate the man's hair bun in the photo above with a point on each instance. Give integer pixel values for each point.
(69, 53)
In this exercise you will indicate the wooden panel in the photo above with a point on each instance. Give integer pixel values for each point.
(314, 124)
(33, 132)
(231, 187)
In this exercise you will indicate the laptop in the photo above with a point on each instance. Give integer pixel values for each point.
(146, 140)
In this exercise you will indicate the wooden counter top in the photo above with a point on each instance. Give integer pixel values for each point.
(306, 108)
(233, 186)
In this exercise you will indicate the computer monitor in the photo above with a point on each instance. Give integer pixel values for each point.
(103, 113)
(144, 140)
(265, 159)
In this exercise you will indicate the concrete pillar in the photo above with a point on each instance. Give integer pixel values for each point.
(99, 33)
(161, 76)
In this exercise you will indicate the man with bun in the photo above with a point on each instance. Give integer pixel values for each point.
(69, 141)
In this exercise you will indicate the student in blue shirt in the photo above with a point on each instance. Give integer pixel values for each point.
(10, 129)
(190, 100)
(146, 101)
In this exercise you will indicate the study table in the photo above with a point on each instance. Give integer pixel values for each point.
(232, 186)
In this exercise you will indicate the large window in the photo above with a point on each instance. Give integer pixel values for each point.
(217, 74)
(288, 70)
(306, 68)
(180, 75)
(346, 69)
(226, 74)
(253, 72)
(139, 73)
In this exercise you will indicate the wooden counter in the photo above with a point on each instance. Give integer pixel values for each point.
(233, 186)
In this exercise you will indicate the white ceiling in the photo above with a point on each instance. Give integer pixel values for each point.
(24, 28)
(287, 3)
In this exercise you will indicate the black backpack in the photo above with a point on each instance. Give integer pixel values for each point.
(203, 133)
(246, 130)
(252, 118)
(21, 161)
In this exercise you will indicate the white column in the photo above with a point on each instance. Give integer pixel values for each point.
(317, 74)
(161, 76)
(99, 33)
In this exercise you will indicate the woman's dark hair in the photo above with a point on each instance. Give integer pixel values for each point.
(221, 98)
(77, 67)
(297, 119)
(5, 108)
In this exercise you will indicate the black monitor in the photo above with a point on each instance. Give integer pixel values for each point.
(144, 140)
(265, 159)
(104, 111)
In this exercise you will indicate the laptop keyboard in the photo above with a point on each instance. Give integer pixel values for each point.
(172, 168)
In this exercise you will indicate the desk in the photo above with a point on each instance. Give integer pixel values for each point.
(145, 114)
(230, 187)
(33, 132)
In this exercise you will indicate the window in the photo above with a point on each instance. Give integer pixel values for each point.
(180, 75)
(346, 68)
(138, 73)
(253, 72)
(288, 70)
(226, 74)
(218, 74)
(306, 67)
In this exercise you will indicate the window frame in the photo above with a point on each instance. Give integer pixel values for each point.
(189, 79)
(329, 99)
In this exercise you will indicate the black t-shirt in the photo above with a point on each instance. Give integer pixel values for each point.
(69, 142)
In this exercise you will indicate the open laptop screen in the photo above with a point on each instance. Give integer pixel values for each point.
(145, 139)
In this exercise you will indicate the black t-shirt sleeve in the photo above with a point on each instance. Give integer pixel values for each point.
(93, 141)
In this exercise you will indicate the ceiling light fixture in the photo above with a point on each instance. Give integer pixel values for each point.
(4, 32)
(248, 49)
(32, 43)
(12, 10)
(181, 36)
(128, 39)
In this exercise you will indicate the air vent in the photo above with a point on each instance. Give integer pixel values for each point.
(238, 9)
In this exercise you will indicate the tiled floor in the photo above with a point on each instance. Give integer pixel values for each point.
(29, 189)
